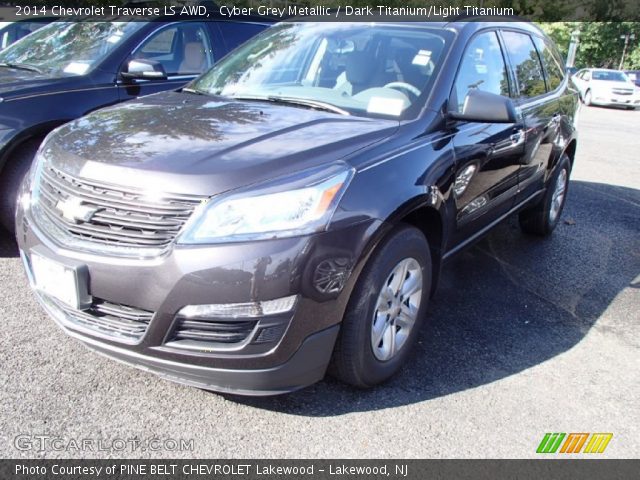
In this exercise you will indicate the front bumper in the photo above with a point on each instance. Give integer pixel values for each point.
(307, 365)
(220, 274)
(612, 100)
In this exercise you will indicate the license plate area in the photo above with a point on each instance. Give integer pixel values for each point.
(63, 281)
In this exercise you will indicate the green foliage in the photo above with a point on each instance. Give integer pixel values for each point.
(633, 60)
(600, 42)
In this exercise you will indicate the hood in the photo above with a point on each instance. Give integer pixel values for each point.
(15, 81)
(185, 143)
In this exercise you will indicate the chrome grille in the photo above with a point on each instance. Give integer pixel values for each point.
(122, 217)
(105, 319)
(622, 91)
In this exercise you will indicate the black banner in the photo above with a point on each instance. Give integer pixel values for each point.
(318, 469)
(324, 10)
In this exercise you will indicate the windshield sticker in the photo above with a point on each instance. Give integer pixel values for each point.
(386, 106)
(78, 68)
(422, 58)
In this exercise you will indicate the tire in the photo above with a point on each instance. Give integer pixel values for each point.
(355, 360)
(587, 98)
(542, 218)
(11, 178)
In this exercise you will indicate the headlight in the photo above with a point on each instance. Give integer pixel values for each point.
(30, 189)
(296, 205)
(34, 174)
(41, 156)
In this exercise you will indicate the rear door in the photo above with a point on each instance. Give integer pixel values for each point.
(539, 101)
(234, 34)
(184, 50)
(488, 155)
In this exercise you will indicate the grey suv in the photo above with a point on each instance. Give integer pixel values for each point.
(289, 211)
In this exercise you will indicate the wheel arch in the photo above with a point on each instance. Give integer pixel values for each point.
(22, 138)
(570, 151)
(429, 221)
(426, 217)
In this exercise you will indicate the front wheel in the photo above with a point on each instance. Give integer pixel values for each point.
(542, 218)
(385, 312)
(587, 98)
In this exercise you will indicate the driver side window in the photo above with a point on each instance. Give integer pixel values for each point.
(482, 68)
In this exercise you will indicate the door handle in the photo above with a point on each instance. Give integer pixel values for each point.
(517, 137)
(553, 123)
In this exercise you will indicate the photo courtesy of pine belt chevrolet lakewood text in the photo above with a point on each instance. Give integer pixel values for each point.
(288, 212)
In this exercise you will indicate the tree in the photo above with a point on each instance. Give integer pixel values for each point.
(600, 42)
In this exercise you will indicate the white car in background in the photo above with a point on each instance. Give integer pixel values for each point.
(599, 86)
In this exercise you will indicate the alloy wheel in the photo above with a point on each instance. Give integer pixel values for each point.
(396, 309)
(557, 198)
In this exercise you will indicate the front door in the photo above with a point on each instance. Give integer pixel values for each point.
(183, 49)
(488, 155)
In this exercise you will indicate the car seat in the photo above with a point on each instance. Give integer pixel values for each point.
(194, 59)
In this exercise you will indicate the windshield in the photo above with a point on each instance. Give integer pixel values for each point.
(610, 76)
(63, 48)
(372, 70)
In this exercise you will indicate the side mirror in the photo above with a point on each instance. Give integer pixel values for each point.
(485, 107)
(144, 69)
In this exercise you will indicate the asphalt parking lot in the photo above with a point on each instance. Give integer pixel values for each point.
(526, 336)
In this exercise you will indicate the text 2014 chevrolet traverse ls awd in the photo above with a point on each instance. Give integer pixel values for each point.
(288, 212)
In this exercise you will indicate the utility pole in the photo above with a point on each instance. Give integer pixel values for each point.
(573, 48)
(626, 37)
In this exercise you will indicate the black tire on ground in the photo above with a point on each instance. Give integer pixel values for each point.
(11, 178)
(539, 219)
(587, 98)
(354, 361)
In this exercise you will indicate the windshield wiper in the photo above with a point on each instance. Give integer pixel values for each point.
(22, 66)
(304, 102)
(193, 90)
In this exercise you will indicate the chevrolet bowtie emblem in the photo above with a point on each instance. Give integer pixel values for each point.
(73, 209)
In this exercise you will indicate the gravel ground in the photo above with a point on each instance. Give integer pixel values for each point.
(527, 336)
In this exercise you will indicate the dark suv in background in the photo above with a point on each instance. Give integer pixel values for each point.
(67, 69)
(290, 210)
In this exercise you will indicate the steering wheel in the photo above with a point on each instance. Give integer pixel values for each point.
(403, 86)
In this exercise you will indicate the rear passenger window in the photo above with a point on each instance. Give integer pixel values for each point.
(526, 63)
(236, 33)
(552, 63)
(482, 68)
